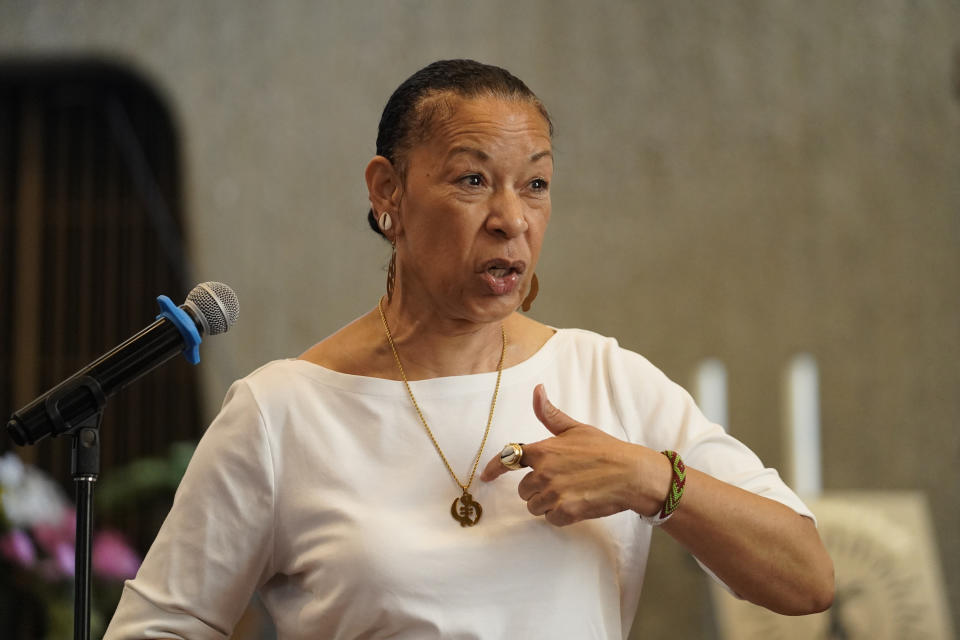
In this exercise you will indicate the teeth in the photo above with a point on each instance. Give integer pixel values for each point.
(498, 273)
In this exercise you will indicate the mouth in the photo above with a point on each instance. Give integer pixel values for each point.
(502, 276)
(502, 268)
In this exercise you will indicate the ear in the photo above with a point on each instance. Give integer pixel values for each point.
(384, 188)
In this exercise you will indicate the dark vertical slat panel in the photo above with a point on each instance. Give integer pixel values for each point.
(28, 253)
(111, 269)
(118, 422)
(138, 285)
(142, 437)
(86, 231)
(80, 328)
(9, 128)
(152, 263)
(125, 432)
(99, 271)
(102, 267)
(69, 353)
(58, 282)
(26, 367)
(125, 257)
(45, 354)
(99, 337)
(55, 352)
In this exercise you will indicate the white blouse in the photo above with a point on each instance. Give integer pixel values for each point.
(322, 491)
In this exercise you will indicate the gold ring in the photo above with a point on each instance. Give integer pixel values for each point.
(512, 456)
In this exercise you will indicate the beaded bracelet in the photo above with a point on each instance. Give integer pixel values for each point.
(677, 481)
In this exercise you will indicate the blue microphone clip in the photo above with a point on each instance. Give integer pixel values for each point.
(185, 324)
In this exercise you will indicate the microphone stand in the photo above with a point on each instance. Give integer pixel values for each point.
(85, 467)
(85, 464)
(85, 456)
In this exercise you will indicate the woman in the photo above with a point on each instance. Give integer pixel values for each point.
(342, 485)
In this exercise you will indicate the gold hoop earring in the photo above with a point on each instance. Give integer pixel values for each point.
(531, 294)
(391, 274)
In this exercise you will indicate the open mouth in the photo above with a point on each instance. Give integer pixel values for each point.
(501, 272)
(504, 268)
(503, 276)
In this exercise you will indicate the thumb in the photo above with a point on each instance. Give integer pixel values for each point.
(551, 417)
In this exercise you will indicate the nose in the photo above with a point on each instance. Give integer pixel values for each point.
(507, 215)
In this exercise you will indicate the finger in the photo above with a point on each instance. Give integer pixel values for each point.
(559, 517)
(538, 504)
(529, 485)
(551, 417)
(493, 470)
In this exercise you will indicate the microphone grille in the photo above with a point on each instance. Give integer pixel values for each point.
(217, 303)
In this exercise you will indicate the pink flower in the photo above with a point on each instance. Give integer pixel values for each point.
(60, 565)
(52, 536)
(65, 561)
(113, 557)
(18, 549)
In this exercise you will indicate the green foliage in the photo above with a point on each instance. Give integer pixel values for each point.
(144, 479)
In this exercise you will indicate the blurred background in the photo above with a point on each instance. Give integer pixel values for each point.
(741, 181)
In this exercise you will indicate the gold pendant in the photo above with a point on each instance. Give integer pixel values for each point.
(468, 512)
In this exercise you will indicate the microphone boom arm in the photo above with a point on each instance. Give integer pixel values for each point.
(84, 394)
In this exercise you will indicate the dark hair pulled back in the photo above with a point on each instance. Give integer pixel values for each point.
(407, 118)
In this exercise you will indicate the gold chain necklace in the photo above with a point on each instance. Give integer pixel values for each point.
(464, 509)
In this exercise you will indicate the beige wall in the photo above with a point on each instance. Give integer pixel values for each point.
(740, 179)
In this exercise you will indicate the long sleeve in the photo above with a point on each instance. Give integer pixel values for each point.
(215, 547)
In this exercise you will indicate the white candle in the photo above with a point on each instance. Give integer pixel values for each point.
(803, 426)
(710, 391)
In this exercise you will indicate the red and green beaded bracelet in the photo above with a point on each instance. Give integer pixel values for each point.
(677, 480)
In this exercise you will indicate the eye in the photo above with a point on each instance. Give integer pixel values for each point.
(539, 184)
(472, 180)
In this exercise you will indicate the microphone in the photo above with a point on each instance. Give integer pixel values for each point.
(210, 308)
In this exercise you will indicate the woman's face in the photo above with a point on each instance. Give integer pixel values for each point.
(474, 207)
